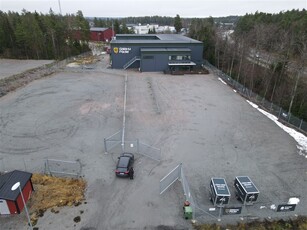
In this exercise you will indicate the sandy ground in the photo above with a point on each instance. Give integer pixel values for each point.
(11, 67)
(195, 120)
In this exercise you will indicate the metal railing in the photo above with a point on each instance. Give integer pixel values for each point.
(129, 63)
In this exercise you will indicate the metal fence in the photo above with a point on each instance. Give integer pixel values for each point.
(170, 178)
(174, 175)
(112, 141)
(21, 164)
(280, 113)
(150, 151)
(56, 167)
(114, 144)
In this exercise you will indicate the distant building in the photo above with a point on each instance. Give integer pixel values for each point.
(155, 52)
(144, 29)
(101, 34)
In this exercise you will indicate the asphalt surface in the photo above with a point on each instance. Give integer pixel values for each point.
(195, 120)
(11, 67)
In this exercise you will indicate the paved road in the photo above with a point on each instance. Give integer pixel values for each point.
(196, 120)
(11, 67)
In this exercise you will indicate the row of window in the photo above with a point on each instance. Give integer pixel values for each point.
(179, 57)
(173, 57)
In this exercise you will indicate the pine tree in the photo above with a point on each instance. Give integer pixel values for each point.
(178, 23)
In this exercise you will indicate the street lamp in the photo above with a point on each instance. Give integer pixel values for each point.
(14, 187)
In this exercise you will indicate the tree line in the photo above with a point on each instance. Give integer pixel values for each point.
(42, 36)
(266, 53)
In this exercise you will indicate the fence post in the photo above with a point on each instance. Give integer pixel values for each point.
(271, 107)
(105, 145)
(289, 118)
(279, 113)
(301, 124)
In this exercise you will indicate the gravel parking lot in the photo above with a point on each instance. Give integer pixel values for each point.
(195, 120)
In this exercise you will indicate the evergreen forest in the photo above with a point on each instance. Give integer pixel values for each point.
(266, 53)
(42, 36)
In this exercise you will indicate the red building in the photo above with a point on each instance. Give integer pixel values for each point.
(11, 200)
(101, 34)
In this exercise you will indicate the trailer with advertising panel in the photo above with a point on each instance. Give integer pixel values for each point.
(219, 190)
(246, 191)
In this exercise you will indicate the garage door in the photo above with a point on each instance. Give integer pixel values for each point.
(4, 209)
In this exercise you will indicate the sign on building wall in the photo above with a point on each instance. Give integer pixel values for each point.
(121, 50)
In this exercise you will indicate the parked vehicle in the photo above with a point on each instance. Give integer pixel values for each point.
(124, 164)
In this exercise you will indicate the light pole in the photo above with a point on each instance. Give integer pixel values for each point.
(14, 187)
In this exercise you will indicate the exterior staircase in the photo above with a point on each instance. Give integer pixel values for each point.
(130, 62)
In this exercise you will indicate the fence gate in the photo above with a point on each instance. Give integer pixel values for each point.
(63, 168)
(170, 178)
(150, 151)
(112, 141)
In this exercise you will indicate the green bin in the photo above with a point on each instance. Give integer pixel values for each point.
(188, 213)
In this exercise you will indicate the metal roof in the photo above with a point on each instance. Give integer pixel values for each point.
(153, 38)
(98, 29)
(8, 180)
(220, 186)
(247, 184)
(165, 50)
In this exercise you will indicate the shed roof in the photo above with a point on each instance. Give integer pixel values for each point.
(98, 29)
(153, 38)
(9, 179)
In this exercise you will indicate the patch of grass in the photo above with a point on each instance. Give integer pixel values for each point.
(300, 223)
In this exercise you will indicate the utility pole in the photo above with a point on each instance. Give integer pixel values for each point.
(59, 1)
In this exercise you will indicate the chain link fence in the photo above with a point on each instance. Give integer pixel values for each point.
(55, 167)
(282, 115)
(170, 178)
(114, 144)
(21, 164)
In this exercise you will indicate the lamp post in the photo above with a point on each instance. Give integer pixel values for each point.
(14, 187)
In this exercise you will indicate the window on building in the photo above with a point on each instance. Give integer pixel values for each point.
(148, 57)
(179, 57)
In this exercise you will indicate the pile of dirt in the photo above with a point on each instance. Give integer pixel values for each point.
(52, 192)
(87, 60)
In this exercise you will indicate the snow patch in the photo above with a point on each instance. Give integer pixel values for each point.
(73, 64)
(273, 207)
(234, 90)
(220, 79)
(300, 138)
(293, 200)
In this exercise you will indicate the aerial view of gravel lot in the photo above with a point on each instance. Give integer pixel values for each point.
(195, 120)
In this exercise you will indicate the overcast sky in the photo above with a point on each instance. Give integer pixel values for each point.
(125, 8)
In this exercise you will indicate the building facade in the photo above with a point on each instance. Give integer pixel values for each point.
(101, 34)
(155, 52)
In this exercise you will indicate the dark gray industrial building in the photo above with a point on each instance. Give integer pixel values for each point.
(155, 52)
